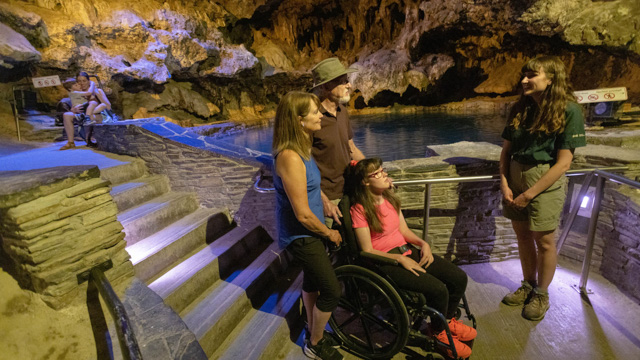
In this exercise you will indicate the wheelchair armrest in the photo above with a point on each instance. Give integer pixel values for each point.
(378, 259)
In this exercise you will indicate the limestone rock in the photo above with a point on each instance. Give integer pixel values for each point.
(15, 48)
(176, 96)
(26, 23)
(585, 22)
(421, 52)
(392, 70)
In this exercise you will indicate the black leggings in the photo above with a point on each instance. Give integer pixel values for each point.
(443, 285)
(318, 272)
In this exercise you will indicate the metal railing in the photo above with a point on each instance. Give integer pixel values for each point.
(126, 337)
(600, 177)
(258, 188)
(599, 173)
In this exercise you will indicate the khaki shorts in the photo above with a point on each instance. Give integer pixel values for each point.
(543, 212)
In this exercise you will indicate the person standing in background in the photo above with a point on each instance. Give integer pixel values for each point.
(333, 146)
(543, 130)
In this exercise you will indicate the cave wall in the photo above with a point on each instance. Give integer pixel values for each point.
(197, 62)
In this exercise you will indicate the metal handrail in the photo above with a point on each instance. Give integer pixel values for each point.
(598, 173)
(600, 176)
(479, 178)
(259, 189)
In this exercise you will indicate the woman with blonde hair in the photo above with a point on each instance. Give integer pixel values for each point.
(299, 214)
(543, 130)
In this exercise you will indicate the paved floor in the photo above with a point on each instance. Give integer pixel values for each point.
(36, 155)
(607, 328)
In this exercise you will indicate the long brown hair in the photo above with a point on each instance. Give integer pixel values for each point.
(550, 115)
(355, 178)
(288, 132)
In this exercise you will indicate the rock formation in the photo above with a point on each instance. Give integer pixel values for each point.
(233, 59)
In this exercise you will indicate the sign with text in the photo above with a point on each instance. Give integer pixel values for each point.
(45, 81)
(601, 95)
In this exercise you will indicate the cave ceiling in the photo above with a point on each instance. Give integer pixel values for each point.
(234, 58)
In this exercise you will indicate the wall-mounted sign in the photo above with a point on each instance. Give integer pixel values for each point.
(45, 81)
(601, 95)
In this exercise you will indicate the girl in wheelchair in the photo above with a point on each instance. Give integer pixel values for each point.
(381, 229)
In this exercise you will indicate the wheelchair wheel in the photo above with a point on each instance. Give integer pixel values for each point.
(370, 319)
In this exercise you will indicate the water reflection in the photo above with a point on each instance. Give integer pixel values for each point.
(399, 136)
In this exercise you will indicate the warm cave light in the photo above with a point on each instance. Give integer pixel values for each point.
(585, 202)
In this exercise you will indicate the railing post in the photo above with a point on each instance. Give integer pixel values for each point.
(593, 223)
(425, 219)
(575, 206)
(16, 116)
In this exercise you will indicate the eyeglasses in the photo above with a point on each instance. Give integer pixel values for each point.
(378, 174)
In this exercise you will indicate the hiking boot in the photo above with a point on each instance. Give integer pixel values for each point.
(462, 331)
(322, 351)
(462, 350)
(537, 306)
(520, 296)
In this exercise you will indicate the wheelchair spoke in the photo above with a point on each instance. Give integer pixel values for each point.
(367, 333)
(348, 321)
(386, 325)
(375, 302)
(347, 305)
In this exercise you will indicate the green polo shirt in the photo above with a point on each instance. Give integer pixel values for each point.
(540, 148)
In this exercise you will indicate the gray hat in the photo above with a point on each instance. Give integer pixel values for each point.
(327, 70)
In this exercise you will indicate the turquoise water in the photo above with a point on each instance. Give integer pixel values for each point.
(399, 136)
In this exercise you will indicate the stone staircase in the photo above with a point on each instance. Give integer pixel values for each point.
(231, 285)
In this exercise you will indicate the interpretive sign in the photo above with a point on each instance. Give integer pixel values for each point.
(45, 81)
(601, 95)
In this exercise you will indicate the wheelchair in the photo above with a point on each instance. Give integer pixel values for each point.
(375, 319)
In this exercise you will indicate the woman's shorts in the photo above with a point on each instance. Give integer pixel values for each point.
(544, 211)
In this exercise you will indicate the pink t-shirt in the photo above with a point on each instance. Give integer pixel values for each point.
(390, 237)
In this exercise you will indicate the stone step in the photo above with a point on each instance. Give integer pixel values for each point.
(155, 214)
(154, 255)
(133, 169)
(217, 311)
(265, 332)
(181, 285)
(138, 191)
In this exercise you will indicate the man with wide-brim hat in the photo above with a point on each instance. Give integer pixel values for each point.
(333, 146)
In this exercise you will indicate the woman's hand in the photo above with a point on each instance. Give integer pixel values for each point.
(507, 194)
(521, 201)
(76, 109)
(334, 237)
(409, 264)
(426, 256)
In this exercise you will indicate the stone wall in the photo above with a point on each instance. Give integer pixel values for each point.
(466, 219)
(194, 163)
(57, 223)
(618, 227)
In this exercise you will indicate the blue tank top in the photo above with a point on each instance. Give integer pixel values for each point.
(289, 228)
